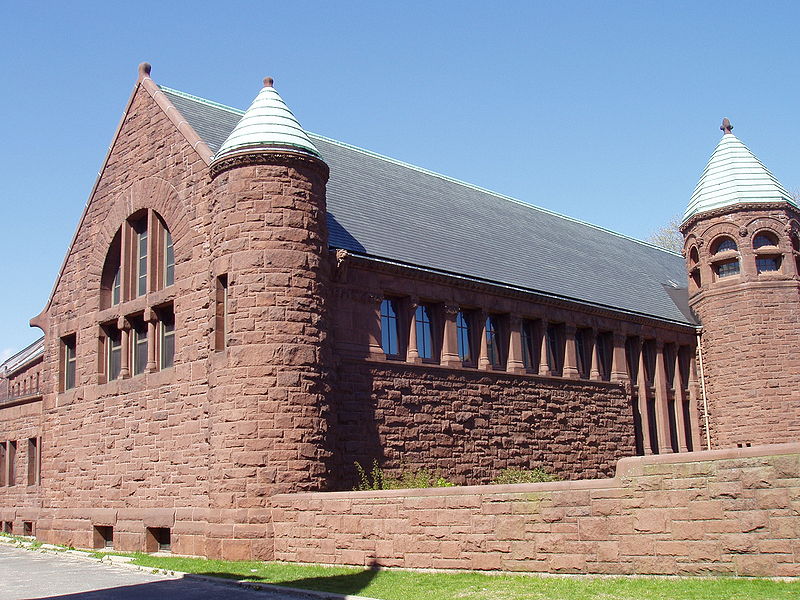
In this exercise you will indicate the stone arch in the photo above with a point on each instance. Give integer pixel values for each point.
(153, 193)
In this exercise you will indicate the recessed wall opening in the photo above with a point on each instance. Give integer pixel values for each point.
(159, 539)
(103, 536)
(27, 528)
(8, 527)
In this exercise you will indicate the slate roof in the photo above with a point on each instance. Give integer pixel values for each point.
(733, 175)
(384, 208)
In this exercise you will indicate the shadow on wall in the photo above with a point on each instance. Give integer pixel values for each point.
(339, 237)
(188, 589)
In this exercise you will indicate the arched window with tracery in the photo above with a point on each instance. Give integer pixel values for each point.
(139, 262)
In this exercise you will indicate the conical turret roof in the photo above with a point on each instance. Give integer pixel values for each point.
(734, 175)
(267, 125)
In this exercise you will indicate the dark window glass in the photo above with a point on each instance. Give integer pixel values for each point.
(69, 362)
(424, 332)
(140, 228)
(114, 353)
(115, 287)
(726, 244)
(583, 351)
(3, 465)
(529, 350)
(464, 336)
(727, 269)
(767, 263)
(632, 358)
(139, 347)
(221, 316)
(169, 260)
(605, 350)
(389, 327)
(33, 461)
(12, 463)
(649, 350)
(762, 239)
(167, 329)
(492, 341)
(555, 349)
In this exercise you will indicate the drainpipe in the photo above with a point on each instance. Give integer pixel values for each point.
(703, 389)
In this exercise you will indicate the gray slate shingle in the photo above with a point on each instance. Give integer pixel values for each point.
(391, 210)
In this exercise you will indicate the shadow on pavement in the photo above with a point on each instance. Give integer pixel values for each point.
(188, 589)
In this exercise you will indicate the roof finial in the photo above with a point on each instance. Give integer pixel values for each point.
(268, 82)
(144, 70)
(726, 126)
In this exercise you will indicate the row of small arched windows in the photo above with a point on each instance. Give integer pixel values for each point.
(726, 260)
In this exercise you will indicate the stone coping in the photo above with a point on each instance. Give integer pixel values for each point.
(626, 467)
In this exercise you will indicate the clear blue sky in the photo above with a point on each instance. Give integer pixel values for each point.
(604, 112)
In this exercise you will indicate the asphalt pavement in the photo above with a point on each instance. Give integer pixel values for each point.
(28, 575)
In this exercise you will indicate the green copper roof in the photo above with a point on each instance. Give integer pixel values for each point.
(267, 125)
(734, 175)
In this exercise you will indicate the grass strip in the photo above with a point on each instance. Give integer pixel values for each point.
(393, 584)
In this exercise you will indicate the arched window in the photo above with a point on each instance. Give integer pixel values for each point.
(140, 259)
(764, 239)
(726, 262)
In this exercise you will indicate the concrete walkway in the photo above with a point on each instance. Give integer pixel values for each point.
(26, 575)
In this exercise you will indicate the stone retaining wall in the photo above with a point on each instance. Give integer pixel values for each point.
(731, 511)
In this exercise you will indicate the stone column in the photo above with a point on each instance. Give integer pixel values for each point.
(619, 366)
(644, 414)
(662, 402)
(151, 319)
(125, 347)
(450, 356)
(544, 367)
(594, 372)
(570, 369)
(483, 355)
(412, 352)
(374, 302)
(680, 400)
(514, 363)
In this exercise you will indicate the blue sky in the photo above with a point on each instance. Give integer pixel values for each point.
(604, 112)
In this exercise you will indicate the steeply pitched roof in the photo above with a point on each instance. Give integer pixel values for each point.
(734, 175)
(268, 123)
(385, 208)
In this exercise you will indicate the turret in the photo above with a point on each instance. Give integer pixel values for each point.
(741, 246)
(268, 246)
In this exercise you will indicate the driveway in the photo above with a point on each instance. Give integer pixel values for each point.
(27, 575)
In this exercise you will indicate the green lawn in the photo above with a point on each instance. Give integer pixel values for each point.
(409, 585)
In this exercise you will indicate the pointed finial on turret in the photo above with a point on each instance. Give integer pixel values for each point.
(726, 126)
(268, 81)
(144, 70)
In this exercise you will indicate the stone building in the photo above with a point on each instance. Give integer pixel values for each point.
(248, 309)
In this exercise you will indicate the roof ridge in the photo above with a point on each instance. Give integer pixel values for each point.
(432, 173)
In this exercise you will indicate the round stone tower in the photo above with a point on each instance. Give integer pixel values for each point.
(269, 245)
(742, 247)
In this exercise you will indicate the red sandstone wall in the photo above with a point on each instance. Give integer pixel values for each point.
(726, 511)
(469, 425)
(20, 502)
(131, 446)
